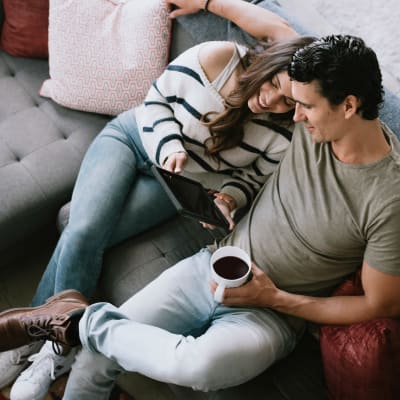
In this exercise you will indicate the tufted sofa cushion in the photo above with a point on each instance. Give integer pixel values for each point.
(41, 148)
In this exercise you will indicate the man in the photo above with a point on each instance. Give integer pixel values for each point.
(331, 207)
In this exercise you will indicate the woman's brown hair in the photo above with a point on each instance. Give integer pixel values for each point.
(260, 65)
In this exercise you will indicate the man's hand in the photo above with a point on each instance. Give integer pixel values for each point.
(260, 291)
(185, 7)
(175, 162)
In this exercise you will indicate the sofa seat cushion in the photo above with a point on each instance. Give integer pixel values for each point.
(134, 263)
(41, 148)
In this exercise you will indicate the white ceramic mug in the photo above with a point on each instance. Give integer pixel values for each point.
(230, 267)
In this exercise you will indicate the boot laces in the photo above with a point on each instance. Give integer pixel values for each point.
(42, 328)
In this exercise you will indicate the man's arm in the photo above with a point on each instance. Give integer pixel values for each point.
(255, 20)
(381, 299)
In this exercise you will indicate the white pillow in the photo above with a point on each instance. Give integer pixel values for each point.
(105, 54)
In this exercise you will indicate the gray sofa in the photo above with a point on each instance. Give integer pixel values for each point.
(41, 147)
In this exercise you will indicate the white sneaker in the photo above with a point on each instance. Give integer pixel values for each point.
(47, 366)
(13, 362)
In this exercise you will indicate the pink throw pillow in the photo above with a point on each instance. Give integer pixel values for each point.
(105, 54)
(361, 361)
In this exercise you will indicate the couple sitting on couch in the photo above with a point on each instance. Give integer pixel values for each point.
(318, 217)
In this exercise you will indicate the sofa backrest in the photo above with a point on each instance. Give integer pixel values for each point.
(181, 40)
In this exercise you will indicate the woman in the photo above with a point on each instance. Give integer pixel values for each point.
(220, 113)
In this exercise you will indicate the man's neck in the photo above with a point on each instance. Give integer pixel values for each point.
(364, 143)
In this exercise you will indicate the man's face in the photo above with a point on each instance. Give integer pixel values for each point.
(322, 120)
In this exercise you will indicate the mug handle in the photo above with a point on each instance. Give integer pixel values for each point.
(219, 293)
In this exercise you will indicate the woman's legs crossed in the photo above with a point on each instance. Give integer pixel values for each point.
(113, 172)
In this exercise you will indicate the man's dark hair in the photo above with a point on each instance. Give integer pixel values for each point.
(342, 65)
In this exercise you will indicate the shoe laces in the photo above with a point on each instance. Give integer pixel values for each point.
(43, 363)
(41, 328)
(46, 363)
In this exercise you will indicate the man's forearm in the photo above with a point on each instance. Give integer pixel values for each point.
(340, 310)
(381, 299)
(255, 20)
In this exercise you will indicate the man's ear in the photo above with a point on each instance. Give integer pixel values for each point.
(351, 105)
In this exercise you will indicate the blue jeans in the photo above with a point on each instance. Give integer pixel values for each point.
(173, 331)
(115, 196)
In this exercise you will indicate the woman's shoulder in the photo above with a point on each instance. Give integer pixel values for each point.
(214, 56)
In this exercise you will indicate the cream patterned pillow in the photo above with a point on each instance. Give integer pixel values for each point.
(105, 54)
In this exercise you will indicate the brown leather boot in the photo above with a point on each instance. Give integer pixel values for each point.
(56, 320)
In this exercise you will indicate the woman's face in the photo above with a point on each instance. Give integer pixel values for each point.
(274, 96)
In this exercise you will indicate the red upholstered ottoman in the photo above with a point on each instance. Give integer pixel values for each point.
(361, 361)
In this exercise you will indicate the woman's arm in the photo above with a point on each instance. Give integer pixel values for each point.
(255, 20)
(159, 129)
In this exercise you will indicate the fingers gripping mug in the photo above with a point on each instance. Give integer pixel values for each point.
(230, 267)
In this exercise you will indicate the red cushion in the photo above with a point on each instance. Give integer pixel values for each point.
(361, 361)
(25, 28)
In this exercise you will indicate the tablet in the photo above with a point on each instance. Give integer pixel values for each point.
(190, 198)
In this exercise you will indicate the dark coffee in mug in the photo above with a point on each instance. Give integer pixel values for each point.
(230, 267)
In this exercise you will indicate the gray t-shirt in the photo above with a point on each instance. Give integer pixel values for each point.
(317, 218)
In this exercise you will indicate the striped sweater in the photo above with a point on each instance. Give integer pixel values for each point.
(169, 121)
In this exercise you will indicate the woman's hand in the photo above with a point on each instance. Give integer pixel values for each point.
(226, 204)
(260, 291)
(175, 162)
(185, 7)
(253, 19)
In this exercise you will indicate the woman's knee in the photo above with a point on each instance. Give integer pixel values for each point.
(124, 124)
(82, 233)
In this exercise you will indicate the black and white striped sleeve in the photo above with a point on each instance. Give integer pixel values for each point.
(161, 129)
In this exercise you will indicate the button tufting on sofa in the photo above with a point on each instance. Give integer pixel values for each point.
(41, 148)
